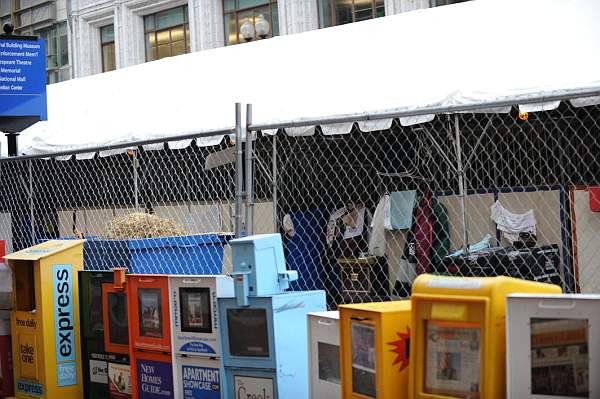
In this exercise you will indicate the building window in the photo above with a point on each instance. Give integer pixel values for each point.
(437, 3)
(340, 12)
(167, 33)
(107, 40)
(236, 12)
(5, 8)
(57, 50)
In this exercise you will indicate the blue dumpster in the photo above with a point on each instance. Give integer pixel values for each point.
(195, 254)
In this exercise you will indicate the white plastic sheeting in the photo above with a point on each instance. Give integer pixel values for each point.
(470, 53)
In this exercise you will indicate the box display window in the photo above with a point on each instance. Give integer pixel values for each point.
(118, 329)
(195, 310)
(95, 302)
(25, 286)
(363, 360)
(329, 362)
(560, 361)
(453, 359)
(150, 312)
(248, 332)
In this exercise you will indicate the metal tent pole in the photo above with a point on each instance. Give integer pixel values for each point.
(274, 182)
(461, 185)
(239, 177)
(31, 206)
(249, 173)
(136, 187)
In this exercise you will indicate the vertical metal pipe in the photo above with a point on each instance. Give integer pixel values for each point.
(12, 140)
(249, 172)
(239, 177)
(274, 181)
(461, 185)
(136, 188)
(31, 207)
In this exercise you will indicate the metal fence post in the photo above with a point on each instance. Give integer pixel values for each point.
(249, 172)
(31, 207)
(136, 188)
(461, 186)
(239, 172)
(274, 182)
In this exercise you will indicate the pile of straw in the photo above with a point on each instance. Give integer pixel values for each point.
(142, 225)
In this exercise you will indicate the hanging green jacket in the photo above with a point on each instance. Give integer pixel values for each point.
(441, 232)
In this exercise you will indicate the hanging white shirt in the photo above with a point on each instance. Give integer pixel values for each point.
(377, 242)
(511, 224)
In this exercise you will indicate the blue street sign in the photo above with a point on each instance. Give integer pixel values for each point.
(22, 77)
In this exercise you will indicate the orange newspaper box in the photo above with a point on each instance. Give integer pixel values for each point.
(150, 336)
(458, 340)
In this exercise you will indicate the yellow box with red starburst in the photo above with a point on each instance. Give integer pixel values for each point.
(374, 348)
(458, 348)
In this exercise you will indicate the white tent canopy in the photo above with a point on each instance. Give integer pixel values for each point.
(477, 52)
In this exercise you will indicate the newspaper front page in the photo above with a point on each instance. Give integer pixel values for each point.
(453, 359)
(559, 357)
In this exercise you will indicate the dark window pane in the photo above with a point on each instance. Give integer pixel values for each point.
(329, 362)
(149, 23)
(107, 34)
(363, 10)
(436, 3)
(95, 309)
(169, 18)
(380, 9)
(230, 29)
(242, 343)
(228, 5)
(118, 327)
(343, 12)
(150, 45)
(274, 21)
(236, 13)
(325, 14)
(250, 3)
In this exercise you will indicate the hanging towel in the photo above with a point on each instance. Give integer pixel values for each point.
(377, 242)
(402, 205)
(511, 224)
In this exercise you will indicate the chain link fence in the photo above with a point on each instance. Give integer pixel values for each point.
(361, 214)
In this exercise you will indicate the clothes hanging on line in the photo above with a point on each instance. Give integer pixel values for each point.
(402, 205)
(511, 224)
(353, 225)
(378, 242)
(428, 240)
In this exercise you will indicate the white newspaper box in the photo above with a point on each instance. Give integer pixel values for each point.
(553, 346)
(195, 335)
(324, 355)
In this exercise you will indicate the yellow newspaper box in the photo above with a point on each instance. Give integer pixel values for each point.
(45, 320)
(374, 345)
(458, 345)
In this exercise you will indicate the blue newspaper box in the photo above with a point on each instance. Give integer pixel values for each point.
(263, 329)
